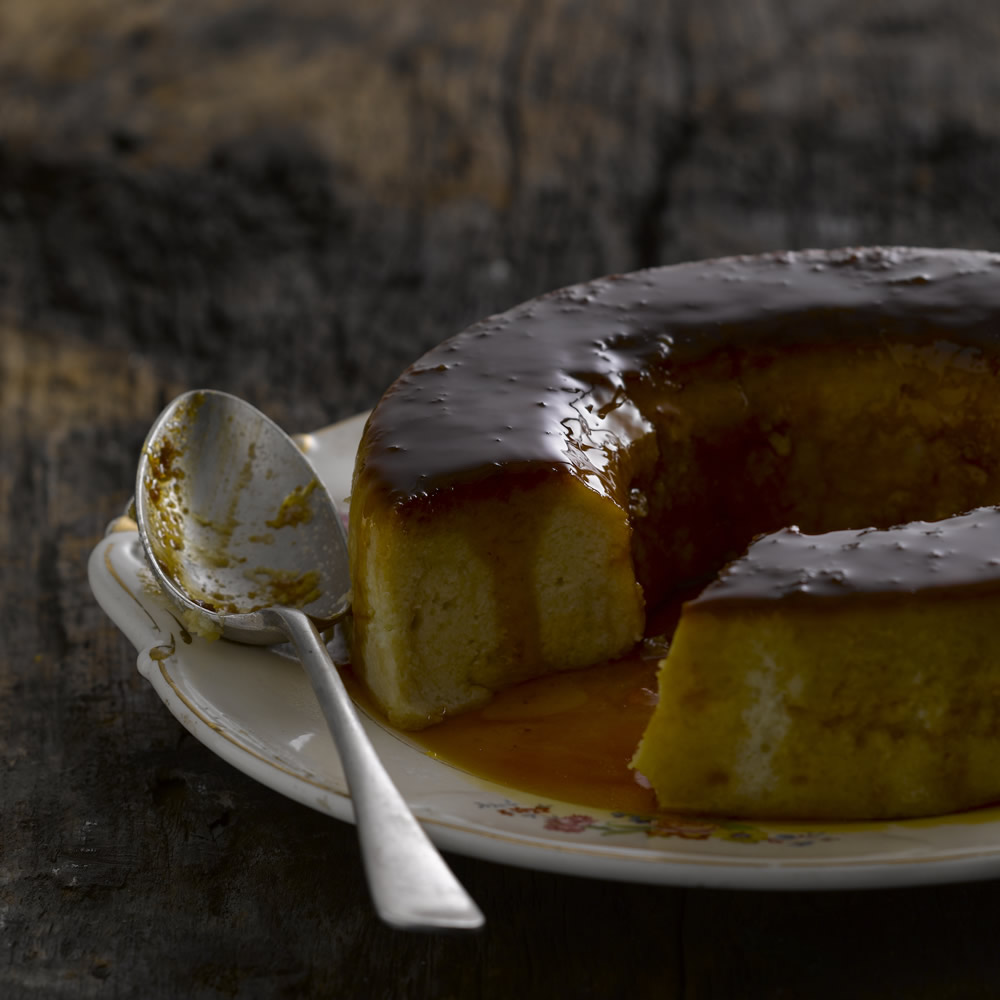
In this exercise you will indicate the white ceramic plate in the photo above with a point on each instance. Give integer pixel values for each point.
(254, 708)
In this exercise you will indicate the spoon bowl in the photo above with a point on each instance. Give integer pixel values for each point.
(246, 542)
(235, 520)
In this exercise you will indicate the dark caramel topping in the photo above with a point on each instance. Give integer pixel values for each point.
(550, 384)
(963, 551)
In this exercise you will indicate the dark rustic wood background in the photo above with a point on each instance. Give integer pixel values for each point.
(291, 201)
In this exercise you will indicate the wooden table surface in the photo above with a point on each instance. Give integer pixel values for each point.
(291, 201)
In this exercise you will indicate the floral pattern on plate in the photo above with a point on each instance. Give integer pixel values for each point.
(659, 825)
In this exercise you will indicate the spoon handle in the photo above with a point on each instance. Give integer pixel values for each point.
(411, 885)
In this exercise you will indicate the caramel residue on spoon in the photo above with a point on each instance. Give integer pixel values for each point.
(294, 509)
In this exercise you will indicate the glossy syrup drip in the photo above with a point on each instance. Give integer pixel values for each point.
(924, 556)
(556, 382)
(568, 736)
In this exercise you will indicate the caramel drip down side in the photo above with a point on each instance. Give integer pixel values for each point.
(511, 562)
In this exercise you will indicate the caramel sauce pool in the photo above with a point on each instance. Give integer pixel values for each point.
(567, 736)
(570, 736)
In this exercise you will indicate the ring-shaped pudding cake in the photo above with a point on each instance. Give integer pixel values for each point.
(526, 490)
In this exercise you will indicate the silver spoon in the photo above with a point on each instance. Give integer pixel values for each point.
(247, 543)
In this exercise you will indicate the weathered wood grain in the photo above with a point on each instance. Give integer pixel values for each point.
(356, 181)
(291, 201)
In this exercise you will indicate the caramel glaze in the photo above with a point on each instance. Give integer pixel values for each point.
(568, 736)
(558, 383)
(939, 558)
